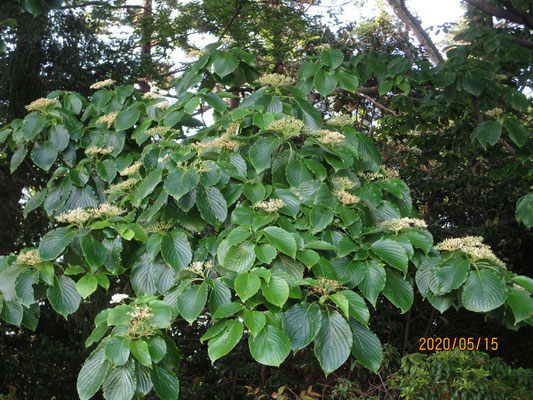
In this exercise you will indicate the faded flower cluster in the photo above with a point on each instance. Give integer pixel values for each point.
(159, 131)
(471, 245)
(328, 137)
(163, 105)
(40, 104)
(102, 84)
(341, 120)
(122, 186)
(347, 198)
(133, 169)
(139, 327)
(276, 80)
(199, 267)
(31, 257)
(107, 119)
(270, 206)
(159, 227)
(326, 286)
(343, 183)
(223, 142)
(288, 126)
(397, 224)
(383, 173)
(79, 216)
(92, 151)
(118, 297)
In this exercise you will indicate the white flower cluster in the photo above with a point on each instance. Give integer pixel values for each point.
(107, 119)
(494, 113)
(328, 137)
(341, 120)
(92, 151)
(164, 158)
(151, 95)
(163, 105)
(288, 126)
(122, 186)
(40, 104)
(347, 198)
(199, 267)
(133, 169)
(276, 80)
(118, 297)
(79, 215)
(471, 245)
(159, 131)
(397, 224)
(31, 257)
(221, 142)
(102, 84)
(343, 183)
(383, 174)
(159, 227)
(270, 206)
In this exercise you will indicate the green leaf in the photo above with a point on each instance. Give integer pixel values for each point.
(24, 286)
(246, 285)
(517, 131)
(126, 119)
(166, 384)
(157, 347)
(320, 218)
(59, 137)
(305, 111)
(271, 346)
(356, 306)
(332, 58)
(398, 291)
(162, 314)
(33, 125)
(94, 251)
(524, 281)
(276, 291)
(487, 132)
(374, 280)
(297, 173)
(148, 185)
(176, 250)
(92, 373)
(239, 258)
(302, 323)
(308, 257)
(117, 350)
(180, 182)
(18, 156)
(521, 303)
(347, 80)
(483, 291)
(192, 301)
(265, 253)
(216, 102)
(63, 296)
(225, 64)
(324, 82)
(419, 240)
(255, 321)
(385, 87)
(212, 205)
(366, 346)
(524, 210)
(119, 384)
(451, 274)
(225, 341)
(333, 341)
(12, 312)
(261, 152)
(473, 84)
(392, 253)
(281, 240)
(139, 349)
(107, 170)
(44, 155)
(443, 78)
(86, 285)
(398, 65)
(54, 242)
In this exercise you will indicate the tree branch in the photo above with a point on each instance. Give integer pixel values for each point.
(517, 16)
(238, 7)
(370, 99)
(412, 23)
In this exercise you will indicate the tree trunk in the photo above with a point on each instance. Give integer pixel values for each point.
(146, 46)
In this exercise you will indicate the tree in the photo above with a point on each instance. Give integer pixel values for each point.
(263, 218)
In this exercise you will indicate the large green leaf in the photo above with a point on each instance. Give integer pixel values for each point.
(33, 125)
(302, 322)
(276, 291)
(18, 156)
(271, 346)
(487, 132)
(255, 321)
(225, 64)
(307, 113)
(117, 350)
(225, 341)
(148, 185)
(166, 383)
(324, 82)
(119, 384)
(281, 240)
(297, 173)
(54, 242)
(126, 119)
(24, 286)
(191, 301)
(483, 291)
(517, 131)
(239, 258)
(246, 285)
(139, 348)
(261, 152)
(59, 137)
(356, 306)
(392, 253)
(87, 285)
(176, 250)
(521, 303)
(44, 155)
(212, 205)
(451, 274)
(94, 251)
(63, 296)
(366, 346)
(181, 182)
(216, 102)
(332, 58)
(374, 280)
(11, 311)
(524, 210)
(333, 341)
(92, 373)
(398, 291)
